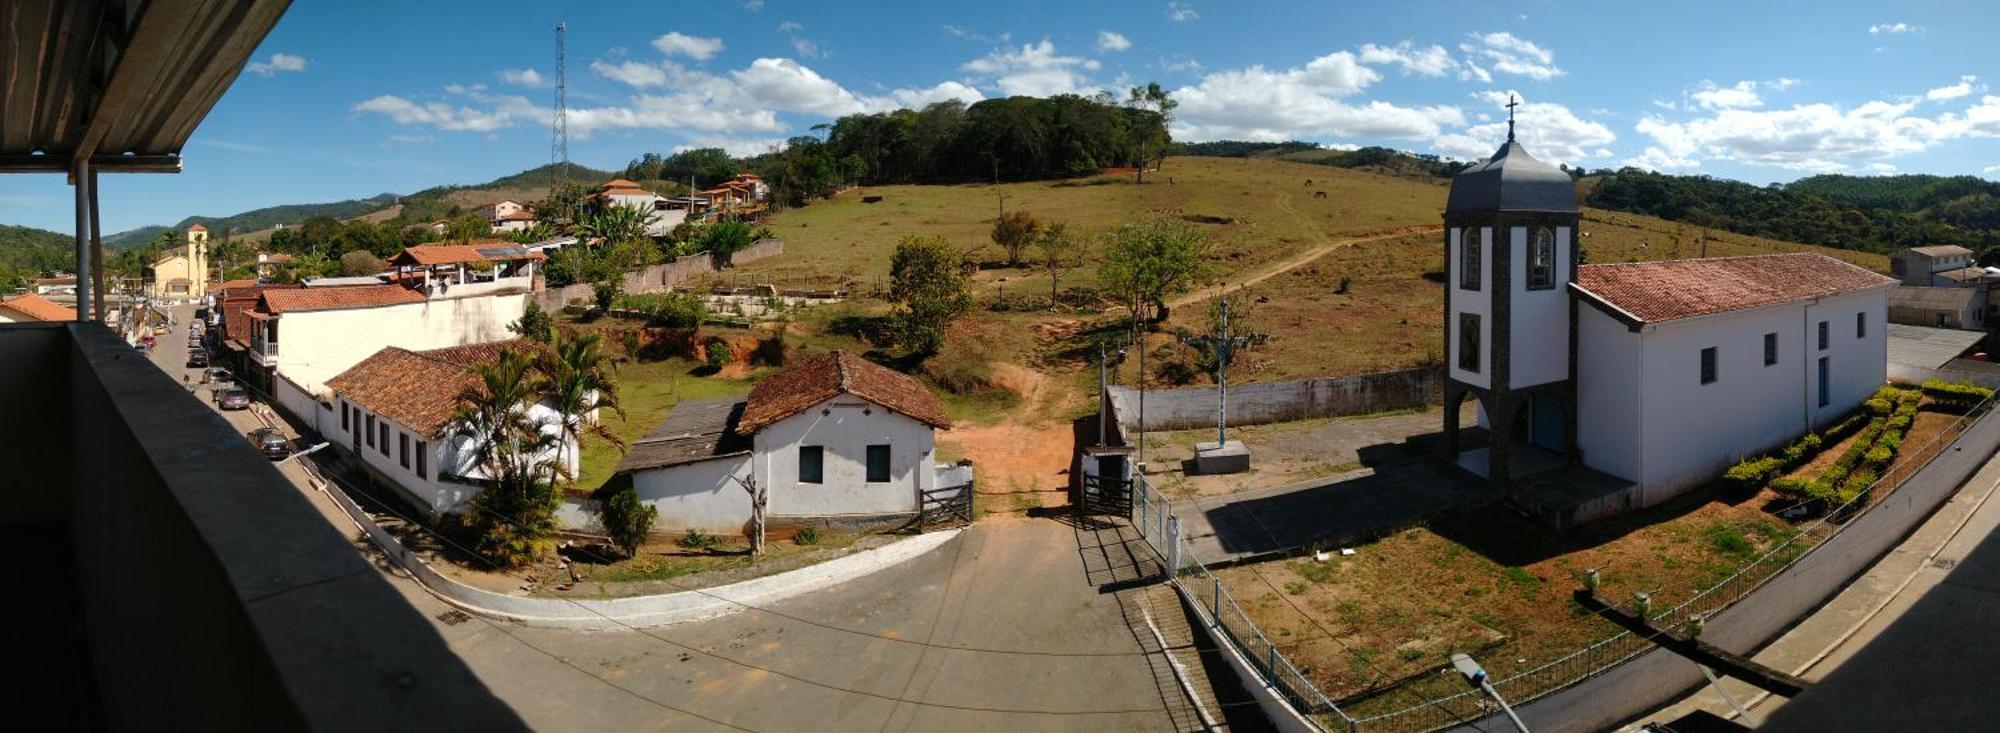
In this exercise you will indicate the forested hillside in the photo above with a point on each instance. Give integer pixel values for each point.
(1875, 214)
(28, 252)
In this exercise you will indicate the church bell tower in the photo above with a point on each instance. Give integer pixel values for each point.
(1510, 254)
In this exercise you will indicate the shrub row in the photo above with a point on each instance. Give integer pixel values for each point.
(1868, 458)
(1753, 473)
(1960, 395)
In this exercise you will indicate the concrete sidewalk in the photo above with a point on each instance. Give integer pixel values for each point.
(1834, 633)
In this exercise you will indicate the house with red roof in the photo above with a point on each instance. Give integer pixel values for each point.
(833, 439)
(662, 214)
(1650, 377)
(32, 308)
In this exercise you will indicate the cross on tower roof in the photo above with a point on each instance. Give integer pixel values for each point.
(1511, 104)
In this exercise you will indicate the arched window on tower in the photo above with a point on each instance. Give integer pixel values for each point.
(1542, 260)
(1468, 261)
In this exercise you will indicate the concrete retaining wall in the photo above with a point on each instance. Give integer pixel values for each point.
(661, 276)
(1658, 677)
(1186, 408)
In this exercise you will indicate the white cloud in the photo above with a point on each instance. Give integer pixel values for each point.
(738, 147)
(1109, 41)
(1961, 89)
(790, 27)
(1881, 28)
(699, 48)
(1551, 131)
(1990, 169)
(1474, 72)
(805, 47)
(1508, 54)
(522, 77)
(789, 86)
(634, 73)
(957, 31)
(1428, 61)
(1880, 169)
(1034, 70)
(1180, 12)
(753, 5)
(1180, 65)
(1655, 159)
(1307, 101)
(1742, 95)
(280, 62)
(1820, 137)
(921, 98)
(437, 114)
(233, 146)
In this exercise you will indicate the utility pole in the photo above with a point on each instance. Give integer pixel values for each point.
(1224, 346)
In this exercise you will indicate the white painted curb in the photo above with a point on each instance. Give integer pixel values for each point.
(639, 611)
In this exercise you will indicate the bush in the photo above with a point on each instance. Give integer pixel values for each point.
(806, 536)
(605, 293)
(718, 354)
(627, 519)
(1751, 474)
(1793, 486)
(1878, 405)
(725, 239)
(1801, 450)
(680, 310)
(535, 324)
(697, 540)
(1961, 395)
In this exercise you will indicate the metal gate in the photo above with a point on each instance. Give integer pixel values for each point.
(1104, 495)
(949, 507)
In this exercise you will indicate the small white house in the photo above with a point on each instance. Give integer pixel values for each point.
(662, 216)
(835, 438)
(394, 413)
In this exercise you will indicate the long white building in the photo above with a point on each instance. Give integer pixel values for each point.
(1657, 373)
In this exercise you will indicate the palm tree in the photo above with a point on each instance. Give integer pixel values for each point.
(514, 515)
(573, 380)
(614, 223)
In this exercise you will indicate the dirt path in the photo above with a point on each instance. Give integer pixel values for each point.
(1297, 261)
(1023, 460)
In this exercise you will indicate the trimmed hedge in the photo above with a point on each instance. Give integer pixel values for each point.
(1961, 395)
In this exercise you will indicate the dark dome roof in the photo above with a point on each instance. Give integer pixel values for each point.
(1512, 180)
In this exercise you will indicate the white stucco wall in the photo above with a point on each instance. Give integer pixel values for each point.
(849, 425)
(697, 495)
(314, 346)
(1539, 319)
(1688, 432)
(1470, 301)
(1609, 367)
(447, 455)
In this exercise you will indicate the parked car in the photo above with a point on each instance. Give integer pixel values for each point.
(232, 398)
(271, 443)
(217, 375)
(197, 358)
(160, 330)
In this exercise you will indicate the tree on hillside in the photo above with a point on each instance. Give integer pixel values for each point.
(535, 324)
(360, 262)
(1056, 248)
(929, 288)
(1144, 264)
(724, 239)
(467, 228)
(1153, 141)
(614, 224)
(574, 379)
(1014, 231)
(565, 204)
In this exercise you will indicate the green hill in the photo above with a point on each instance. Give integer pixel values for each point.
(255, 219)
(27, 251)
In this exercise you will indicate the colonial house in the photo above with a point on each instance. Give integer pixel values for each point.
(1925, 266)
(393, 412)
(58, 284)
(754, 184)
(301, 337)
(30, 308)
(181, 273)
(1659, 374)
(836, 438)
(269, 262)
(662, 216)
(508, 216)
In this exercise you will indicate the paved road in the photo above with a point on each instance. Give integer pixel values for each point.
(1004, 628)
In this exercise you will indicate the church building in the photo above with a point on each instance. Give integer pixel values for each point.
(182, 273)
(1660, 374)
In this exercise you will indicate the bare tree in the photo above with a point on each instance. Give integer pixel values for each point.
(759, 498)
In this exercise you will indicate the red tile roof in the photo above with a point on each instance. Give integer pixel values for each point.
(39, 308)
(826, 376)
(1668, 290)
(491, 250)
(237, 284)
(335, 298)
(197, 228)
(417, 389)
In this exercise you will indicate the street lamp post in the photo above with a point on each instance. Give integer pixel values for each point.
(1476, 676)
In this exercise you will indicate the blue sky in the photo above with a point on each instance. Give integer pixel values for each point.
(349, 99)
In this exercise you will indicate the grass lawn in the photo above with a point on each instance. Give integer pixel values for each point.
(648, 390)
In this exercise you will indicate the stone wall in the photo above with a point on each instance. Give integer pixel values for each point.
(1187, 408)
(662, 276)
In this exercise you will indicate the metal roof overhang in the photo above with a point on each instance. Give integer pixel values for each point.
(119, 83)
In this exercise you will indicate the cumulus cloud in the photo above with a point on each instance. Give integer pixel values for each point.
(1961, 89)
(699, 48)
(1551, 131)
(958, 31)
(1820, 137)
(1035, 70)
(522, 77)
(1109, 41)
(279, 62)
(1427, 61)
(1655, 159)
(805, 47)
(738, 147)
(1306, 101)
(1881, 28)
(1741, 95)
(633, 73)
(1180, 12)
(1508, 54)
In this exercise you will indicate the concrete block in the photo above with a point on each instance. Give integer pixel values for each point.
(1230, 457)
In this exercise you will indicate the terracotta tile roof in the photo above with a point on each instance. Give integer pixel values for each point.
(197, 228)
(416, 389)
(490, 250)
(39, 308)
(237, 284)
(320, 299)
(1673, 289)
(237, 306)
(826, 376)
(695, 431)
(620, 183)
(521, 215)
